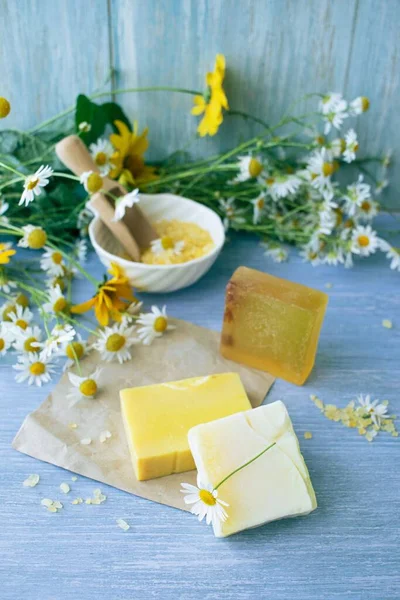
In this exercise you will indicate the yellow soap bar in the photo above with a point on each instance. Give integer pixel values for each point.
(272, 324)
(157, 419)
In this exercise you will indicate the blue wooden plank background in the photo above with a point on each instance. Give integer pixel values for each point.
(277, 51)
(348, 549)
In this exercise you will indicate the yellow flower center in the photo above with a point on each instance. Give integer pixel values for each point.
(255, 167)
(74, 350)
(21, 323)
(7, 312)
(349, 224)
(88, 387)
(336, 166)
(37, 238)
(363, 240)
(32, 183)
(260, 203)
(167, 243)
(28, 347)
(355, 147)
(320, 140)
(366, 206)
(56, 257)
(270, 181)
(328, 169)
(37, 368)
(160, 324)
(22, 300)
(58, 281)
(4, 107)
(101, 159)
(312, 255)
(364, 103)
(339, 216)
(94, 183)
(207, 497)
(2, 344)
(115, 342)
(60, 304)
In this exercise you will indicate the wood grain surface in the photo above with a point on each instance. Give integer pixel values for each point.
(348, 549)
(277, 51)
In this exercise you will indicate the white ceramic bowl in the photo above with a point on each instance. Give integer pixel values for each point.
(162, 278)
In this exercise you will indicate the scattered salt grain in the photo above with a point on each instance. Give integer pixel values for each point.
(307, 435)
(77, 501)
(31, 480)
(72, 425)
(46, 502)
(74, 478)
(86, 441)
(123, 524)
(329, 285)
(50, 505)
(57, 504)
(387, 324)
(104, 435)
(64, 487)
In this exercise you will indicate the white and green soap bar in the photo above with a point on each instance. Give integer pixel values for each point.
(274, 486)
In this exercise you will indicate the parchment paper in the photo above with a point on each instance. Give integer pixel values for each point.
(187, 351)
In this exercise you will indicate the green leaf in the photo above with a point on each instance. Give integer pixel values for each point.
(114, 112)
(88, 111)
(98, 116)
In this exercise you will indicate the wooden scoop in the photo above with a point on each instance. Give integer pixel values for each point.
(134, 231)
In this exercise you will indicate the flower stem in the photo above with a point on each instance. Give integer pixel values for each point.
(245, 465)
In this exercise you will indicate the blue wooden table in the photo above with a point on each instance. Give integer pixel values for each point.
(348, 548)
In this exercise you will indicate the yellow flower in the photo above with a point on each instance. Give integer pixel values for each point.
(127, 161)
(5, 253)
(109, 300)
(4, 107)
(213, 101)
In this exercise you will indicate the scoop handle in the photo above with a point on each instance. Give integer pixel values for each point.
(73, 154)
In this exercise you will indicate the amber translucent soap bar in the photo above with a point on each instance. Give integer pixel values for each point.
(272, 324)
(157, 419)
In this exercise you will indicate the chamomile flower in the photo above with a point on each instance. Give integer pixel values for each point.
(281, 185)
(375, 410)
(166, 244)
(6, 338)
(336, 147)
(101, 152)
(380, 186)
(334, 110)
(60, 336)
(83, 220)
(327, 221)
(125, 202)
(367, 210)
(74, 350)
(359, 105)
(351, 148)
(34, 237)
(84, 127)
(28, 340)
(21, 317)
(133, 309)
(84, 387)
(6, 284)
(393, 254)
(275, 251)
(34, 184)
(114, 342)
(364, 240)
(35, 368)
(57, 302)
(320, 170)
(258, 208)
(91, 181)
(357, 193)
(153, 325)
(233, 215)
(250, 167)
(205, 502)
(81, 250)
(311, 255)
(333, 257)
(52, 261)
